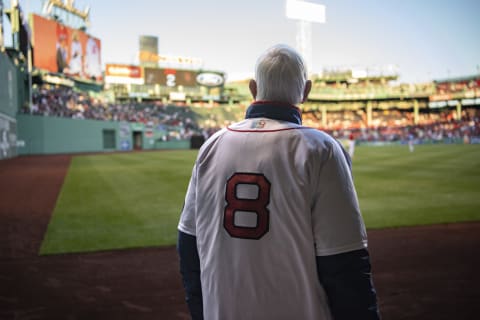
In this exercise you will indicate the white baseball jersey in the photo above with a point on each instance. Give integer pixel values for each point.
(265, 197)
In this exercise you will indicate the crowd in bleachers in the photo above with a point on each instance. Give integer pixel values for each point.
(432, 127)
(184, 121)
(68, 103)
(463, 86)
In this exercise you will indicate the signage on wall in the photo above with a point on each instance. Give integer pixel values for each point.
(210, 79)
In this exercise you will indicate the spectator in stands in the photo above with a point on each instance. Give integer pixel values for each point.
(433, 126)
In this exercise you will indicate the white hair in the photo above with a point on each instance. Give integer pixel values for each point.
(281, 75)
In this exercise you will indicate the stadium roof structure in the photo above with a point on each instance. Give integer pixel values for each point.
(459, 79)
(66, 12)
(354, 75)
(59, 79)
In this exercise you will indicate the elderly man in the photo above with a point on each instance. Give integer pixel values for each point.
(271, 226)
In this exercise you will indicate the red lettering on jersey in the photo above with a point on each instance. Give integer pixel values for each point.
(258, 205)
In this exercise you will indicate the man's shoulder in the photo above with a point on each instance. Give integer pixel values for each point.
(265, 125)
(318, 135)
(210, 140)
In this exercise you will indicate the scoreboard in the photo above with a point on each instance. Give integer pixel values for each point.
(170, 77)
(153, 82)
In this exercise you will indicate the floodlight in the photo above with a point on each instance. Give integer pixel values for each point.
(305, 11)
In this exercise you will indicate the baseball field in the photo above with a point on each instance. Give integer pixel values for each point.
(130, 200)
(92, 236)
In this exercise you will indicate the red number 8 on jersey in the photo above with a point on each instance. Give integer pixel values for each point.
(258, 205)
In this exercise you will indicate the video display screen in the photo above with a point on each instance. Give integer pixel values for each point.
(60, 49)
(170, 77)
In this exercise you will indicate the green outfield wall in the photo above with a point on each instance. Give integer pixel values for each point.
(174, 144)
(8, 86)
(9, 105)
(49, 135)
(52, 135)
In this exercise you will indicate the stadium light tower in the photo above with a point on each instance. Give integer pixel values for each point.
(305, 13)
(2, 47)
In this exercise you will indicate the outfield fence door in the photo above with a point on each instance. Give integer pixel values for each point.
(138, 140)
(109, 142)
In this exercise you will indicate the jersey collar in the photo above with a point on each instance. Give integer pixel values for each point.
(274, 110)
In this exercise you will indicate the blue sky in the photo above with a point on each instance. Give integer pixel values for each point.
(425, 39)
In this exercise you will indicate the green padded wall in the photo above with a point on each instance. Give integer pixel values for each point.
(49, 135)
(52, 135)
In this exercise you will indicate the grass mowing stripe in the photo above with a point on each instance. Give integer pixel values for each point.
(434, 184)
(119, 201)
(126, 200)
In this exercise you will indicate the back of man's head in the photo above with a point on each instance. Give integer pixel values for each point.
(281, 75)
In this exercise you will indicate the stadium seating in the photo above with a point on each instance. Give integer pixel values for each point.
(183, 122)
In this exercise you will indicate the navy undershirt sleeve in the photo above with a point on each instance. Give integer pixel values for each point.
(347, 280)
(190, 271)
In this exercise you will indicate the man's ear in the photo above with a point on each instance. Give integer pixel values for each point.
(306, 91)
(252, 85)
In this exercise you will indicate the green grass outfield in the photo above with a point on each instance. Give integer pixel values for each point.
(126, 200)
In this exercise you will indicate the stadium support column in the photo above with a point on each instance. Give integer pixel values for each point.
(459, 110)
(29, 65)
(324, 116)
(415, 112)
(2, 47)
(369, 113)
(15, 24)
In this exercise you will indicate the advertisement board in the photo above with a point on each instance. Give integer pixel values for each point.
(8, 137)
(187, 78)
(58, 48)
(123, 74)
(170, 77)
(210, 79)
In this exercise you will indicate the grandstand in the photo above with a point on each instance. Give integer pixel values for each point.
(53, 103)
